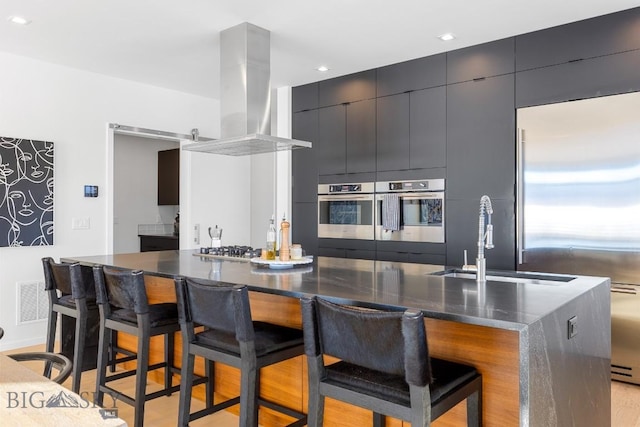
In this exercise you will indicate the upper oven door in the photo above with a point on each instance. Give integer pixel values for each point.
(346, 216)
(422, 218)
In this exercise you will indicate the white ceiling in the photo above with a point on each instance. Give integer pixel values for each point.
(174, 44)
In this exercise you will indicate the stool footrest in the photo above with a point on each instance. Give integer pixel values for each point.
(215, 408)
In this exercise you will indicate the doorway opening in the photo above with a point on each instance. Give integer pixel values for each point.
(138, 176)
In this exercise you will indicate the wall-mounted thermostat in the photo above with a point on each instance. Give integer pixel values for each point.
(90, 191)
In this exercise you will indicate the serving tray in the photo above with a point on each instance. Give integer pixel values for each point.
(281, 265)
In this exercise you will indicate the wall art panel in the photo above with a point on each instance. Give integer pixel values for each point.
(26, 192)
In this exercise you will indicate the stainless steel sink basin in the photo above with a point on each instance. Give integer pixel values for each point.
(510, 277)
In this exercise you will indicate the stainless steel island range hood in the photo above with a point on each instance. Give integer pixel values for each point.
(245, 98)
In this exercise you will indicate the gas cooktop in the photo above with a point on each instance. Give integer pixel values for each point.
(232, 251)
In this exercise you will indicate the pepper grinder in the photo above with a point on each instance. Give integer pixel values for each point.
(284, 240)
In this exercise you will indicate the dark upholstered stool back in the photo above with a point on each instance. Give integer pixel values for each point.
(219, 306)
(69, 279)
(122, 289)
(369, 338)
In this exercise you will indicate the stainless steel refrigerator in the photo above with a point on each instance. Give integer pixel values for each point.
(579, 204)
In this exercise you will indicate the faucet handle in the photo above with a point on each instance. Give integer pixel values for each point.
(466, 265)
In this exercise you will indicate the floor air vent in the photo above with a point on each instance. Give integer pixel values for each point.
(33, 302)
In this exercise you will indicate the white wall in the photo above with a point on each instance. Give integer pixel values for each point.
(135, 177)
(72, 108)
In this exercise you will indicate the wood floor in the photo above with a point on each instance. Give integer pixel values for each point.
(163, 411)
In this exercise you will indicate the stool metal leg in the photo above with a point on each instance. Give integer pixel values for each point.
(379, 420)
(316, 400)
(51, 338)
(249, 376)
(101, 370)
(78, 350)
(168, 359)
(210, 373)
(142, 366)
(186, 374)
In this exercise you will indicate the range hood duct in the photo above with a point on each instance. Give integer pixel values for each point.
(245, 96)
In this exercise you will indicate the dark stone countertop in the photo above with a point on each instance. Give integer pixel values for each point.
(376, 284)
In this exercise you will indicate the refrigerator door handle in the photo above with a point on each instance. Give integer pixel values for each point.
(520, 194)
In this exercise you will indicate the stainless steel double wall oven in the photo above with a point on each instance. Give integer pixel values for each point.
(354, 210)
(346, 211)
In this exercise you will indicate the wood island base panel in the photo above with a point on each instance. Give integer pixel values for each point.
(513, 333)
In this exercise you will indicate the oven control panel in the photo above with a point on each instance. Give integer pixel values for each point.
(407, 186)
(365, 187)
(345, 188)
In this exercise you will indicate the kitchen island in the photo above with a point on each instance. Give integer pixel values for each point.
(537, 371)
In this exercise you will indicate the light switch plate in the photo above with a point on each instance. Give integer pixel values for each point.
(83, 223)
(196, 234)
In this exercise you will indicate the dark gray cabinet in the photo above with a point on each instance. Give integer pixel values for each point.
(392, 125)
(304, 226)
(347, 138)
(480, 139)
(361, 136)
(412, 75)
(481, 61)
(605, 75)
(332, 140)
(304, 162)
(169, 177)
(350, 88)
(158, 243)
(411, 130)
(428, 128)
(304, 97)
(603, 35)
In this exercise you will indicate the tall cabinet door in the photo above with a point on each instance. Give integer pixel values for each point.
(332, 140)
(393, 132)
(361, 136)
(480, 138)
(304, 164)
(428, 128)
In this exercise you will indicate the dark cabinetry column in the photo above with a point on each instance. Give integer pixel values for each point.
(480, 138)
(304, 162)
(481, 160)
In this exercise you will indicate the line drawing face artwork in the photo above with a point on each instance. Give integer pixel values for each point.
(26, 192)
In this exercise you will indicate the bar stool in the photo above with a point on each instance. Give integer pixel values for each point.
(71, 293)
(231, 337)
(122, 301)
(384, 367)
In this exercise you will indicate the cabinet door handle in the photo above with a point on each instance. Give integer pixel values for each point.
(520, 194)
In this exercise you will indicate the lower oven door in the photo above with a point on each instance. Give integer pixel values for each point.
(625, 333)
(346, 216)
(422, 218)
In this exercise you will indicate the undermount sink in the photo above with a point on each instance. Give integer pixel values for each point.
(510, 277)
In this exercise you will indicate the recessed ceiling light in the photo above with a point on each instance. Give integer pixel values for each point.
(19, 20)
(322, 68)
(446, 37)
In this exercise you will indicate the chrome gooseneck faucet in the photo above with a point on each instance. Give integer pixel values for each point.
(485, 239)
